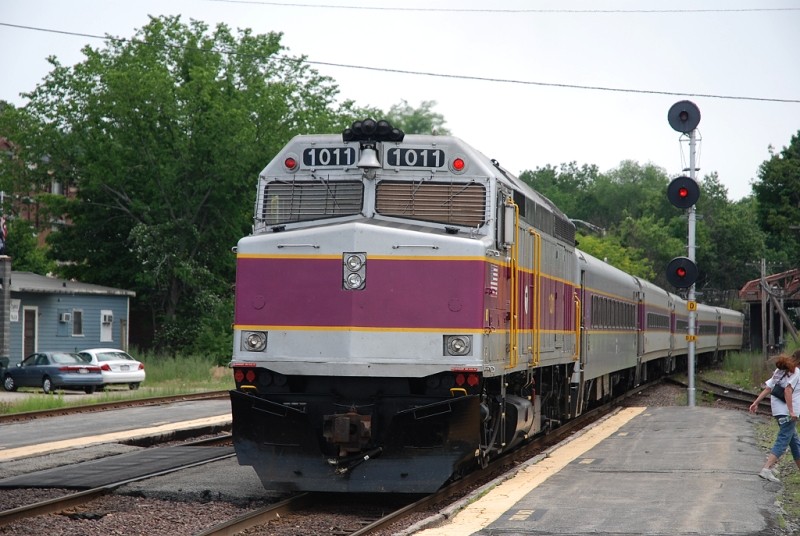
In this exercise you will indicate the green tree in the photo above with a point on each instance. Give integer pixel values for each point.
(611, 250)
(777, 190)
(23, 248)
(164, 135)
(421, 120)
(569, 187)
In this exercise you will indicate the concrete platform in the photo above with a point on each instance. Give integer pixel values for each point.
(644, 471)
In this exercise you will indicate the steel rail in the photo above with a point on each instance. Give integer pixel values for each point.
(74, 499)
(104, 406)
(259, 516)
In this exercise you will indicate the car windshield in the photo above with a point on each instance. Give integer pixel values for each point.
(114, 356)
(65, 358)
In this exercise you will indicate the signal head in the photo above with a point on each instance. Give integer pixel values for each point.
(683, 192)
(684, 116)
(681, 272)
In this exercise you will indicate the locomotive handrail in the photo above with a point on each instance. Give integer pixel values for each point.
(315, 246)
(536, 309)
(398, 246)
(578, 304)
(513, 354)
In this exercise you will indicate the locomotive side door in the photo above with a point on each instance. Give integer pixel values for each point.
(501, 299)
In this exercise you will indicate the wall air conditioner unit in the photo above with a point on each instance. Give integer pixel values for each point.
(65, 317)
(107, 319)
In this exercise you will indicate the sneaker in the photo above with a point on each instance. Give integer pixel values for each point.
(768, 475)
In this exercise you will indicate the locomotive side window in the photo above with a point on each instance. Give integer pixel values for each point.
(285, 202)
(455, 203)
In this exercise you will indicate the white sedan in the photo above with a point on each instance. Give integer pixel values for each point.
(116, 366)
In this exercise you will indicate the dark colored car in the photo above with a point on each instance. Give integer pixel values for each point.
(53, 370)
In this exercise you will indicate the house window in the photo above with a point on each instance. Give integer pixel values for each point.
(77, 323)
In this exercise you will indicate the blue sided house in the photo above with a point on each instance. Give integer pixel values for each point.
(49, 314)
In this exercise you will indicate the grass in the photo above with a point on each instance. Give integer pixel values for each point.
(166, 376)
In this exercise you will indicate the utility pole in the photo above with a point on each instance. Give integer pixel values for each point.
(764, 298)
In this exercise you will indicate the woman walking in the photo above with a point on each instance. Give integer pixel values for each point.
(786, 377)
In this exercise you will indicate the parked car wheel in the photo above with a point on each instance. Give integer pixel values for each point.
(47, 385)
(89, 389)
(134, 386)
(9, 384)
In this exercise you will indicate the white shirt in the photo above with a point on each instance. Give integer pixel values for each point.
(778, 406)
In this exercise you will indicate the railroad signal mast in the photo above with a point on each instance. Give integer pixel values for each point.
(683, 192)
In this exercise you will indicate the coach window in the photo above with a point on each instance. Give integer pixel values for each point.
(77, 323)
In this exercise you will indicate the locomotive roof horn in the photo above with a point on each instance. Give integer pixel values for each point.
(369, 130)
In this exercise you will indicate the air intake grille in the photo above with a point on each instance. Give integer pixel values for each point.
(286, 202)
(454, 203)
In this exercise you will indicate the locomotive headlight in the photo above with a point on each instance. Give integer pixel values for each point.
(354, 271)
(354, 281)
(457, 344)
(254, 341)
(354, 263)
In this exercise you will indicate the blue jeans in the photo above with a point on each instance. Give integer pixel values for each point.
(787, 436)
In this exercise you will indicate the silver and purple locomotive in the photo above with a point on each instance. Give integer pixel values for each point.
(406, 310)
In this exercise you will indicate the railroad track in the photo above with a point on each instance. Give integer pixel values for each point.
(104, 406)
(82, 497)
(724, 392)
(367, 525)
(367, 520)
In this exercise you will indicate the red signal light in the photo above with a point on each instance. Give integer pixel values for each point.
(682, 272)
(683, 192)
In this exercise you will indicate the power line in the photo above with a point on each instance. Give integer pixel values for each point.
(467, 10)
(555, 84)
(441, 75)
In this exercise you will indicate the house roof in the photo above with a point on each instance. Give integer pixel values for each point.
(788, 282)
(30, 282)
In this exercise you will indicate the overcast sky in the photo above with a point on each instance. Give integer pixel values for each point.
(528, 109)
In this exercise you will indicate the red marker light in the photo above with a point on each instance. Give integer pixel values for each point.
(459, 164)
(250, 376)
(238, 375)
(290, 163)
